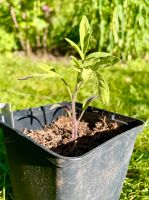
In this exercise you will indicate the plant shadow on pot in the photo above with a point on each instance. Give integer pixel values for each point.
(38, 173)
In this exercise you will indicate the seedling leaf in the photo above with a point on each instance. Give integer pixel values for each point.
(95, 62)
(76, 62)
(97, 55)
(46, 67)
(86, 74)
(103, 89)
(87, 102)
(84, 31)
(86, 42)
(50, 74)
(108, 61)
(76, 47)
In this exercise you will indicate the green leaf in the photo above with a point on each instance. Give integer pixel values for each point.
(50, 71)
(76, 69)
(25, 78)
(79, 77)
(86, 74)
(46, 67)
(76, 62)
(97, 55)
(108, 61)
(91, 63)
(84, 30)
(76, 47)
(94, 63)
(87, 102)
(50, 74)
(103, 89)
(86, 42)
(46, 75)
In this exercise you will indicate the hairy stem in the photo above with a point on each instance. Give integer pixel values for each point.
(74, 118)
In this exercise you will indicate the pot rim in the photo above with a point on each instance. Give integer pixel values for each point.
(139, 127)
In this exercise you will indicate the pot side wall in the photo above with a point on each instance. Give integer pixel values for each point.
(99, 175)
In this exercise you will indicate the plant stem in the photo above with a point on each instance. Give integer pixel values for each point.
(74, 119)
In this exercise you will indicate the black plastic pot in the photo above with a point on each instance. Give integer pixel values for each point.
(40, 174)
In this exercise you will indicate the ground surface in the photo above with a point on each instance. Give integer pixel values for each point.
(129, 96)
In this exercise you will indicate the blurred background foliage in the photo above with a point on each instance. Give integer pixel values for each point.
(119, 26)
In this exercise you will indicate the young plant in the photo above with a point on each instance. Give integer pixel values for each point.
(85, 66)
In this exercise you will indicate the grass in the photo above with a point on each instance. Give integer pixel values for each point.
(129, 96)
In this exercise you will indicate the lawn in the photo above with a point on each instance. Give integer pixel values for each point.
(128, 84)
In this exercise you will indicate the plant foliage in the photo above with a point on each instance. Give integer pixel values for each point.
(85, 66)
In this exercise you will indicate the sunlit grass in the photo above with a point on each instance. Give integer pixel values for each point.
(129, 96)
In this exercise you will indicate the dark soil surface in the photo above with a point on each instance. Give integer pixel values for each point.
(57, 136)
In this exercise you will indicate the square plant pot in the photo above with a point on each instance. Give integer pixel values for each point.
(38, 173)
